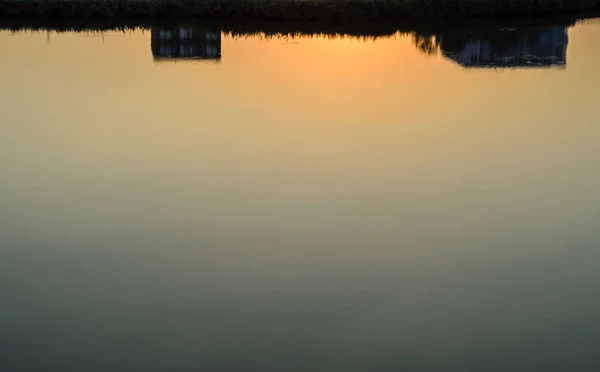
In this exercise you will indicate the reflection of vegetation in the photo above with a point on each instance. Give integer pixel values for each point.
(365, 31)
(407, 10)
(542, 43)
(446, 38)
(426, 36)
(536, 46)
(426, 43)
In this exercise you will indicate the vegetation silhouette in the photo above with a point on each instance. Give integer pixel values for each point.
(505, 41)
(287, 10)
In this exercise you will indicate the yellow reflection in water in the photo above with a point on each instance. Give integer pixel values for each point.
(339, 123)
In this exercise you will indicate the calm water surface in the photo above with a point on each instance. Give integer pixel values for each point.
(409, 203)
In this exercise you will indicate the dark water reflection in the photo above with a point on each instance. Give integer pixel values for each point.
(185, 43)
(514, 47)
(345, 202)
(518, 43)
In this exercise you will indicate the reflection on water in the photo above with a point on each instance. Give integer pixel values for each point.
(318, 204)
(513, 47)
(185, 43)
(520, 46)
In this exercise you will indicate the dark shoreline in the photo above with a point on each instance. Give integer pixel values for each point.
(273, 28)
(415, 11)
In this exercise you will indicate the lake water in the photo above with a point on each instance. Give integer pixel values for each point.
(179, 199)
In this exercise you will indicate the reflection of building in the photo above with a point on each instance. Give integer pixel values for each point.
(185, 43)
(508, 48)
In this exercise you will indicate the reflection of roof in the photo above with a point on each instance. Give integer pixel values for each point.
(509, 48)
(187, 43)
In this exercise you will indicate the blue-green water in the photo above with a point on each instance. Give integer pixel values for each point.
(300, 204)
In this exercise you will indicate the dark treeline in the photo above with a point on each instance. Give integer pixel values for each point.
(288, 10)
(368, 29)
